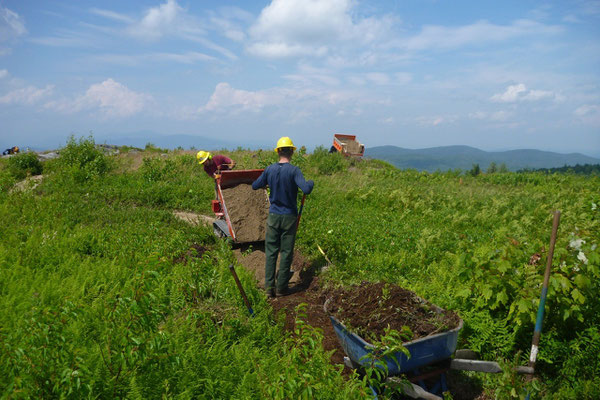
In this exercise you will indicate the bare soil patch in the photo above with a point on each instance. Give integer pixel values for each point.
(248, 210)
(28, 183)
(252, 257)
(193, 218)
(195, 251)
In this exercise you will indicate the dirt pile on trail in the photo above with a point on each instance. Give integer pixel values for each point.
(254, 260)
(369, 308)
(248, 211)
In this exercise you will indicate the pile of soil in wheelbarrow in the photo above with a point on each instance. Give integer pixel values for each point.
(248, 211)
(369, 308)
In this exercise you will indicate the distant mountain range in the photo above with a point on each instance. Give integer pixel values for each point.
(139, 139)
(463, 157)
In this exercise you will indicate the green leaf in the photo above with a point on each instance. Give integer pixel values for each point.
(502, 297)
(503, 266)
(523, 305)
(487, 292)
(582, 281)
(577, 296)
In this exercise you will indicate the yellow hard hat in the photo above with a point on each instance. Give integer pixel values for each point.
(202, 156)
(285, 141)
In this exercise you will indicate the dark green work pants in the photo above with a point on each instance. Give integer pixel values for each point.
(280, 237)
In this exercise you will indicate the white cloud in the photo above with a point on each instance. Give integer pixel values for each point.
(27, 95)
(64, 39)
(519, 92)
(109, 98)
(378, 78)
(159, 21)
(587, 109)
(499, 116)
(189, 57)
(3, 73)
(309, 75)
(292, 28)
(589, 113)
(481, 32)
(227, 98)
(11, 24)
(511, 93)
(432, 121)
(534, 95)
(228, 28)
(112, 15)
(496, 116)
(171, 20)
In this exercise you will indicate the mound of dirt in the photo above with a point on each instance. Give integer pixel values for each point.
(368, 308)
(254, 260)
(248, 211)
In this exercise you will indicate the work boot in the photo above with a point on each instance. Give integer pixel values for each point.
(284, 291)
(271, 293)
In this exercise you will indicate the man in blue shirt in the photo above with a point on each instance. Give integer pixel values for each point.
(283, 179)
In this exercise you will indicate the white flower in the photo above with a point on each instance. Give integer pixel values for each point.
(582, 257)
(576, 243)
(594, 246)
(594, 206)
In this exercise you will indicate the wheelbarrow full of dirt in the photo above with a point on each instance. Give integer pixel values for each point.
(241, 213)
(429, 356)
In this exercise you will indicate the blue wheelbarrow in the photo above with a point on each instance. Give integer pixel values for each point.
(433, 351)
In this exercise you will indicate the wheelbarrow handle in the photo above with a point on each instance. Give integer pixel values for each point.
(300, 211)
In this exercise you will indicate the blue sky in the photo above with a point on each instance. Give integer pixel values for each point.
(415, 73)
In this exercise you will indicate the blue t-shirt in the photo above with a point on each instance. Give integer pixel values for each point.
(283, 179)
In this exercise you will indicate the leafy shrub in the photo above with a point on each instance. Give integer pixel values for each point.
(155, 169)
(82, 160)
(327, 163)
(24, 164)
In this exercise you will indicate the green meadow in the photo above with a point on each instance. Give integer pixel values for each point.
(104, 295)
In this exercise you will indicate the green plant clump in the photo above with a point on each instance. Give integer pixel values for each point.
(24, 164)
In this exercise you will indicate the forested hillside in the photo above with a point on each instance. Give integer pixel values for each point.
(463, 157)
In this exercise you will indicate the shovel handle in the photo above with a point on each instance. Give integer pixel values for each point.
(300, 211)
(243, 293)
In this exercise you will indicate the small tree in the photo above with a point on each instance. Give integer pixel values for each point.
(475, 170)
(503, 168)
(492, 169)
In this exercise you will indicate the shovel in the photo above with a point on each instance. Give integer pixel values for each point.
(243, 293)
(300, 211)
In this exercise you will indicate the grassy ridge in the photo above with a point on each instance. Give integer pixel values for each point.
(101, 304)
(96, 306)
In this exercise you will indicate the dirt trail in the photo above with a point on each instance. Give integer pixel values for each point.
(193, 218)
